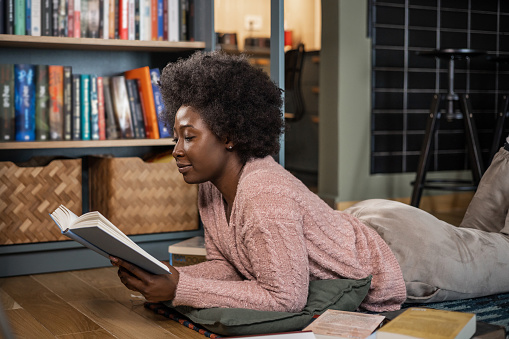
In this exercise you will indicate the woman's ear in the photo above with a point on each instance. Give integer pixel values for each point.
(229, 144)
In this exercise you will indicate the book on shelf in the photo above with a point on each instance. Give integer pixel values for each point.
(131, 20)
(41, 103)
(85, 106)
(135, 107)
(47, 17)
(121, 106)
(155, 76)
(421, 322)
(28, 17)
(111, 123)
(145, 21)
(24, 102)
(19, 17)
(111, 19)
(35, 20)
(100, 108)
(77, 18)
(76, 107)
(9, 17)
(94, 18)
(3, 7)
(173, 20)
(343, 324)
(56, 102)
(160, 20)
(142, 74)
(62, 18)
(94, 109)
(96, 232)
(67, 106)
(70, 18)
(104, 27)
(7, 110)
(84, 18)
(153, 20)
(55, 6)
(123, 19)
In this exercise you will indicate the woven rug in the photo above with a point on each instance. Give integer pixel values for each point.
(493, 309)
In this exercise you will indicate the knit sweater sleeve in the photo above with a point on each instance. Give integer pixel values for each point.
(270, 255)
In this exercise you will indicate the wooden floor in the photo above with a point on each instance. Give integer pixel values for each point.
(82, 304)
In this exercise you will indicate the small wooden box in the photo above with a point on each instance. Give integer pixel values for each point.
(142, 197)
(188, 252)
(29, 194)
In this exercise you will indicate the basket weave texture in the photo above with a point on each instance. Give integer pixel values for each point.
(141, 197)
(29, 194)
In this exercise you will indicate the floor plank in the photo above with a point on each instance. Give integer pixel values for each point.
(46, 307)
(100, 277)
(7, 302)
(23, 325)
(68, 286)
(99, 334)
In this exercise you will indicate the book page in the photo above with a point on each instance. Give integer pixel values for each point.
(344, 324)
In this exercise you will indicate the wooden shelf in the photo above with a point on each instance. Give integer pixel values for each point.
(92, 44)
(21, 145)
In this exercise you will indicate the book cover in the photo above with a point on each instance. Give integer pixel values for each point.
(67, 106)
(135, 107)
(121, 106)
(47, 17)
(7, 111)
(94, 109)
(42, 103)
(147, 94)
(123, 19)
(100, 108)
(111, 123)
(96, 232)
(155, 75)
(76, 107)
(36, 17)
(85, 107)
(56, 102)
(24, 101)
(20, 17)
(77, 18)
(420, 322)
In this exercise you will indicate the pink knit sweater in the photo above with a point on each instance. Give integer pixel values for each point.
(281, 236)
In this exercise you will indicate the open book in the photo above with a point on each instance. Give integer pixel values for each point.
(94, 231)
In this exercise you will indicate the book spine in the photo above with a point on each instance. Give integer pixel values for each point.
(85, 107)
(160, 20)
(67, 103)
(145, 21)
(62, 18)
(93, 14)
(106, 19)
(56, 102)
(94, 109)
(3, 8)
(84, 19)
(28, 17)
(131, 20)
(123, 19)
(20, 17)
(70, 18)
(9, 24)
(121, 106)
(153, 19)
(159, 104)
(100, 108)
(111, 123)
(42, 103)
(165, 19)
(46, 18)
(77, 19)
(183, 20)
(135, 113)
(137, 4)
(24, 97)
(111, 20)
(117, 19)
(76, 107)
(7, 111)
(54, 16)
(173, 20)
(36, 17)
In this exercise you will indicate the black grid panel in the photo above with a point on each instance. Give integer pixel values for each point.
(403, 82)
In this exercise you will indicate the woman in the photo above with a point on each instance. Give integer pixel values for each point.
(267, 235)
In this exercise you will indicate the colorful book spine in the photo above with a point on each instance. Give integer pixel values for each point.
(147, 94)
(28, 17)
(135, 108)
(145, 21)
(7, 110)
(117, 19)
(160, 20)
(155, 75)
(131, 27)
(111, 123)
(94, 109)
(24, 96)
(94, 17)
(121, 106)
(100, 108)
(42, 103)
(47, 18)
(55, 8)
(123, 19)
(36, 17)
(84, 18)
(137, 4)
(67, 103)
(70, 18)
(76, 107)
(153, 19)
(111, 19)
(56, 102)
(77, 18)
(20, 17)
(62, 18)
(85, 107)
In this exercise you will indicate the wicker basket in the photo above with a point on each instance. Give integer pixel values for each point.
(141, 197)
(29, 194)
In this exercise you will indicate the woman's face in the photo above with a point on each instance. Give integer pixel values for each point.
(200, 154)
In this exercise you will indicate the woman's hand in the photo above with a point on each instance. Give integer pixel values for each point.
(154, 287)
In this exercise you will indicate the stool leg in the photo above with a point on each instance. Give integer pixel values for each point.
(499, 127)
(431, 128)
(474, 149)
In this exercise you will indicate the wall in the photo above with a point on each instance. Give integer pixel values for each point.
(301, 16)
(345, 91)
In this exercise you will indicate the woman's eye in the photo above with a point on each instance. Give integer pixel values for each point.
(188, 138)
(175, 140)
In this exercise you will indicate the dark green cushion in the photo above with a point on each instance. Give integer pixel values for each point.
(337, 294)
